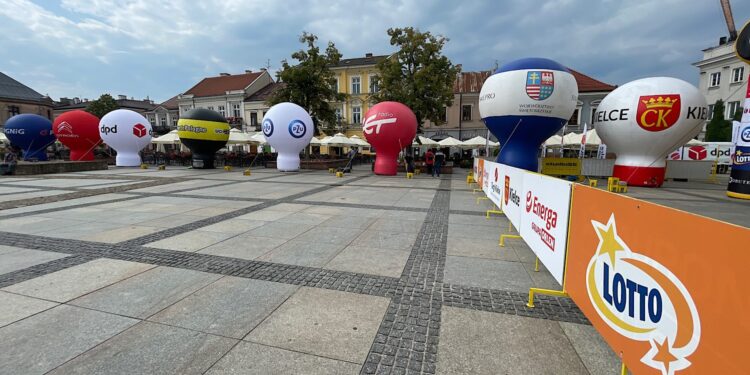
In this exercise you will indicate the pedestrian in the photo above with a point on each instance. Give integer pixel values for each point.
(439, 160)
(9, 161)
(409, 161)
(429, 160)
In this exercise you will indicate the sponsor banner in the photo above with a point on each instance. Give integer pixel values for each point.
(720, 152)
(660, 285)
(544, 221)
(601, 152)
(512, 193)
(474, 169)
(561, 166)
(479, 172)
(497, 184)
(486, 173)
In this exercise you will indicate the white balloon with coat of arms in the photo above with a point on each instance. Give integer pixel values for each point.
(288, 128)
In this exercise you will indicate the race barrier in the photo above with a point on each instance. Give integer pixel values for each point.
(662, 286)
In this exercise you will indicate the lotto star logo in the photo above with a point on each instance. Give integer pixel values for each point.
(642, 300)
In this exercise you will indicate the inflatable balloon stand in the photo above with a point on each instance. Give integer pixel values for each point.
(288, 128)
(31, 133)
(389, 127)
(204, 132)
(127, 132)
(643, 120)
(739, 178)
(525, 102)
(79, 131)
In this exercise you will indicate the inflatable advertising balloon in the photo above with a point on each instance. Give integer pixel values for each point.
(128, 133)
(288, 129)
(739, 178)
(389, 127)
(32, 133)
(204, 132)
(644, 120)
(525, 102)
(79, 131)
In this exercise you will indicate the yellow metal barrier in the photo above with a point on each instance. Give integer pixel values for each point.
(162, 167)
(482, 199)
(339, 174)
(549, 292)
(228, 168)
(144, 166)
(246, 172)
(498, 212)
(593, 183)
(612, 182)
(409, 175)
(331, 170)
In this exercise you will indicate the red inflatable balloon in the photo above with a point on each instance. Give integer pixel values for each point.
(389, 127)
(79, 130)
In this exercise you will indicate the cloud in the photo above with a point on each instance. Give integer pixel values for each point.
(159, 48)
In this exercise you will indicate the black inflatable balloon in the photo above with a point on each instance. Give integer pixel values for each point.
(742, 45)
(204, 132)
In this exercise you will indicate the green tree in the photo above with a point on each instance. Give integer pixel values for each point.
(417, 75)
(719, 129)
(310, 83)
(100, 107)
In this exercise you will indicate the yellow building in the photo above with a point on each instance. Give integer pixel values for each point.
(356, 78)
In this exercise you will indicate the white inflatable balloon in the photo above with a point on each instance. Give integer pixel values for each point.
(128, 133)
(643, 120)
(288, 129)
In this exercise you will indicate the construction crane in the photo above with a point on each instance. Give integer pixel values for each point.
(727, 8)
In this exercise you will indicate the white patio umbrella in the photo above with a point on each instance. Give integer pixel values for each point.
(450, 142)
(3, 138)
(425, 141)
(572, 139)
(553, 141)
(258, 139)
(237, 136)
(315, 141)
(359, 141)
(694, 142)
(170, 138)
(475, 142)
(338, 140)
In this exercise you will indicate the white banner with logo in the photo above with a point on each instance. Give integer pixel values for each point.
(544, 220)
(721, 152)
(496, 183)
(512, 192)
(488, 167)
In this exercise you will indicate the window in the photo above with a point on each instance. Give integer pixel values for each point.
(151, 120)
(254, 119)
(374, 87)
(339, 116)
(356, 85)
(710, 112)
(13, 110)
(715, 79)
(236, 110)
(185, 108)
(575, 119)
(163, 121)
(223, 111)
(466, 113)
(738, 74)
(356, 115)
(335, 85)
(210, 108)
(174, 121)
(732, 108)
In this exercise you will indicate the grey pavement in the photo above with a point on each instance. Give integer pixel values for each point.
(187, 271)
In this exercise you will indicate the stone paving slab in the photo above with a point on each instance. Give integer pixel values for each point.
(278, 229)
(480, 248)
(14, 307)
(243, 246)
(327, 323)
(146, 294)
(150, 348)
(303, 253)
(191, 241)
(229, 307)
(370, 260)
(487, 273)
(120, 234)
(477, 342)
(73, 282)
(596, 355)
(14, 259)
(44, 341)
(250, 358)
(386, 240)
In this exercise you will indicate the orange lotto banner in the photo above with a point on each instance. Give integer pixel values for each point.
(665, 288)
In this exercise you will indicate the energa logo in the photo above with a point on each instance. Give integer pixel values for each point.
(642, 300)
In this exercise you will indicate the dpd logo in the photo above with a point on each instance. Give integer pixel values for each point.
(297, 129)
(267, 127)
(139, 130)
(642, 300)
(108, 129)
(697, 153)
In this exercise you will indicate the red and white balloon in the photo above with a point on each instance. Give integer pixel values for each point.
(389, 127)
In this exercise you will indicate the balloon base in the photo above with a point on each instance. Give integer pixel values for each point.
(640, 176)
(287, 163)
(203, 164)
(385, 166)
(128, 160)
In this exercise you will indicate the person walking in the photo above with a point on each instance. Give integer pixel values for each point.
(439, 161)
(429, 160)
(9, 161)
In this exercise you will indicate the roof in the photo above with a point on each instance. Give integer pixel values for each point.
(217, 86)
(121, 103)
(588, 84)
(12, 89)
(263, 94)
(170, 103)
(360, 61)
(470, 81)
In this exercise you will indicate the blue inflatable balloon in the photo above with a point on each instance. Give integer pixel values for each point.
(525, 102)
(32, 133)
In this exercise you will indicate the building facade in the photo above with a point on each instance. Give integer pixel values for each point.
(723, 76)
(17, 98)
(164, 116)
(140, 106)
(256, 107)
(356, 78)
(225, 94)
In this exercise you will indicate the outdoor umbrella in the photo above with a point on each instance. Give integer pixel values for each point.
(553, 141)
(239, 137)
(170, 138)
(424, 141)
(315, 141)
(338, 140)
(475, 142)
(258, 139)
(694, 142)
(450, 142)
(359, 141)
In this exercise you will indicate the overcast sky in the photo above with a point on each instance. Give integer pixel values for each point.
(161, 48)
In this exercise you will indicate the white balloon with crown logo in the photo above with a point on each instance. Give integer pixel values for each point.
(288, 128)
(643, 120)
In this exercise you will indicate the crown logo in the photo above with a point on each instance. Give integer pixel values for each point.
(660, 102)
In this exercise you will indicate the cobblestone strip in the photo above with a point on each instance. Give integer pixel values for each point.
(408, 336)
(16, 277)
(465, 212)
(68, 207)
(156, 236)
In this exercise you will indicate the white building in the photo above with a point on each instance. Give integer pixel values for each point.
(722, 76)
(225, 94)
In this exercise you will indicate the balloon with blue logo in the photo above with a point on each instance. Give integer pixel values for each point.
(31, 133)
(525, 102)
(288, 128)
